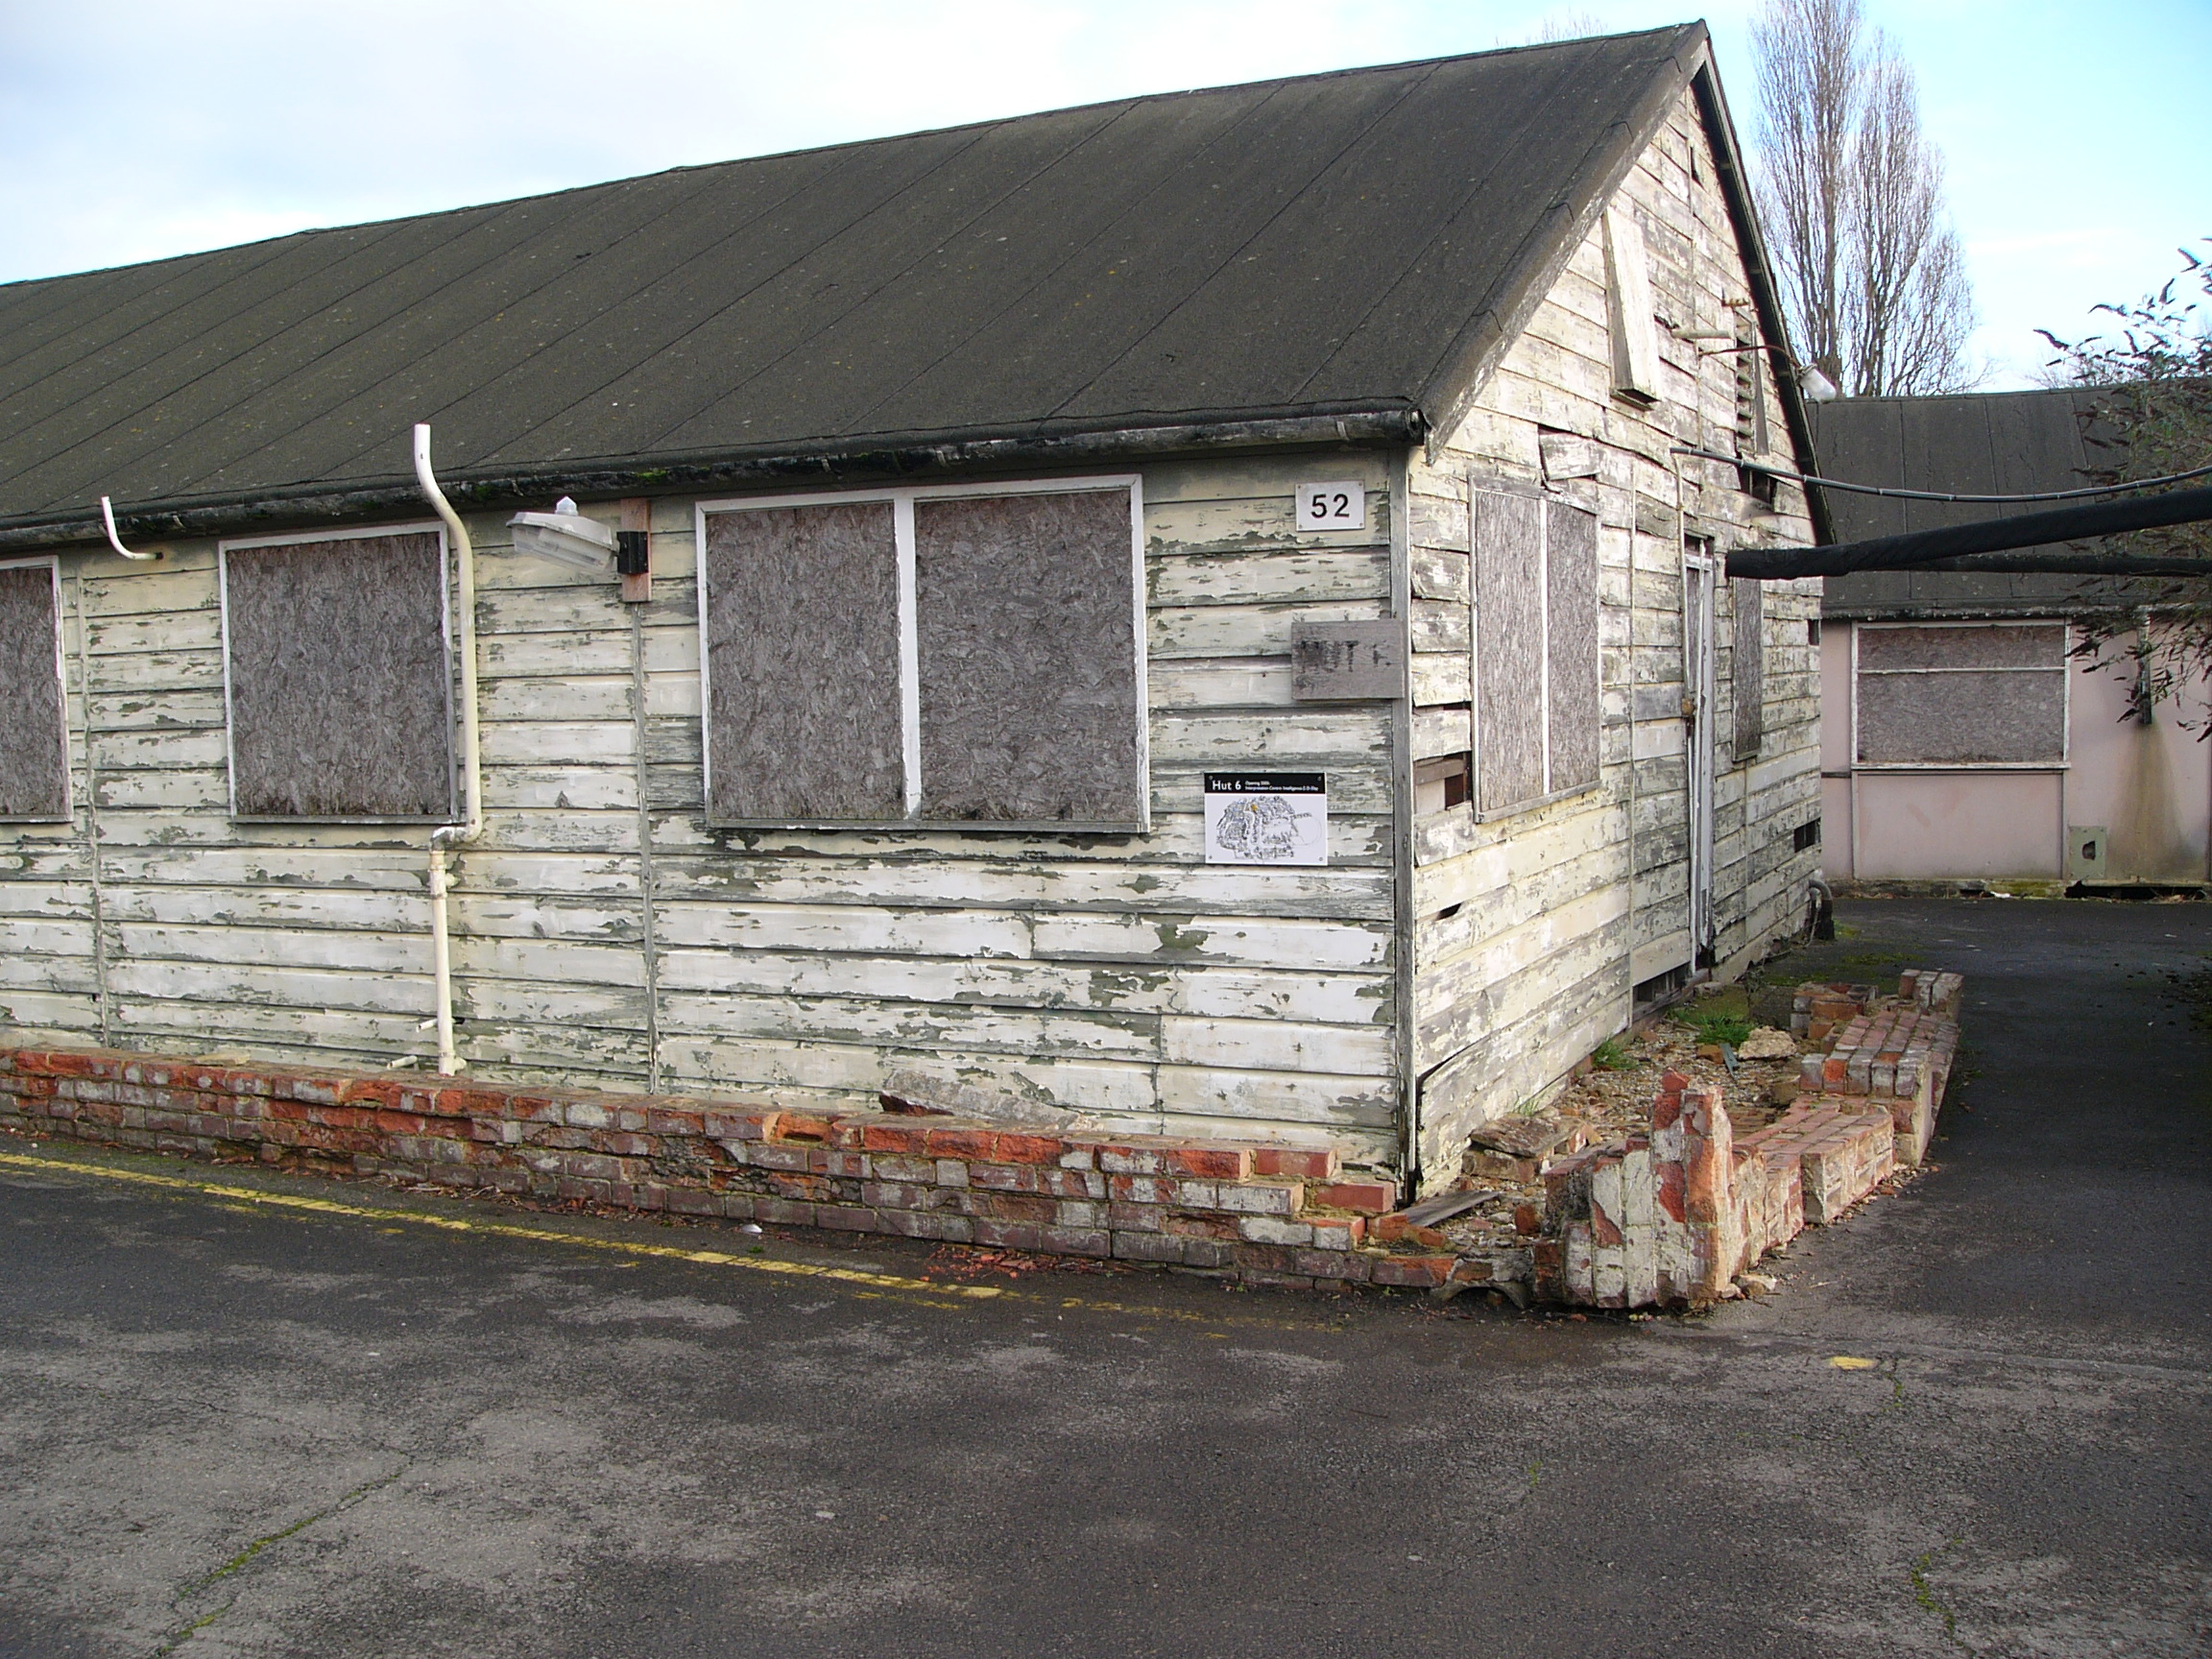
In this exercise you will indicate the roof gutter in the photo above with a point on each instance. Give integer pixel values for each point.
(832, 463)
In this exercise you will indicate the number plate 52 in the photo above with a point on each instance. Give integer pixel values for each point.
(1338, 505)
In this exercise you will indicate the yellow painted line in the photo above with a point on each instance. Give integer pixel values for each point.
(933, 1292)
(505, 1229)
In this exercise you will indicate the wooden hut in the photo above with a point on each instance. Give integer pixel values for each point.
(1188, 614)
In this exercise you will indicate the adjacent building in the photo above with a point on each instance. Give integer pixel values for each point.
(1963, 741)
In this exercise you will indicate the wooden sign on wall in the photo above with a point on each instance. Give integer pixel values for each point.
(1347, 662)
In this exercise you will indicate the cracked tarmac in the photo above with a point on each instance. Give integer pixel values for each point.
(245, 1415)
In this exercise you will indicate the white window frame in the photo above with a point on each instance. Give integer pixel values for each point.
(903, 499)
(2065, 760)
(305, 538)
(68, 812)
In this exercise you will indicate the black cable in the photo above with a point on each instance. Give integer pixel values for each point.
(1923, 548)
(1936, 494)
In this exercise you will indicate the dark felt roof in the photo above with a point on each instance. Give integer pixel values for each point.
(1332, 243)
(1975, 442)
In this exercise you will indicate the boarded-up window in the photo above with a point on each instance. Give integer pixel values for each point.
(1027, 642)
(339, 678)
(1536, 653)
(1748, 601)
(1571, 646)
(1962, 695)
(802, 630)
(926, 656)
(34, 740)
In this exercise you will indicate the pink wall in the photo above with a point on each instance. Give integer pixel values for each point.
(2147, 788)
(1942, 826)
(2150, 787)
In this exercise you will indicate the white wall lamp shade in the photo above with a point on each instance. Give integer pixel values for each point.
(565, 537)
(1818, 388)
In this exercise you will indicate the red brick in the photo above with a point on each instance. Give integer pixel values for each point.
(1004, 1206)
(1076, 1240)
(973, 1144)
(674, 1120)
(1209, 1163)
(908, 1138)
(926, 1224)
(1026, 1149)
(1071, 1183)
(768, 1157)
(1413, 1271)
(803, 1128)
(899, 1195)
(1295, 1163)
(1221, 1227)
(1131, 1158)
(846, 1219)
(1339, 1232)
(1266, 1257)
(1332, 1263)
(1005, 1235)
(1391, 1229)
(1143, 1189)
(1134, 1247)
(809, 1189)
(1371, 1197)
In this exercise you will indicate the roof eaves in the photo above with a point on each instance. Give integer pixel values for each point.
(872, 458)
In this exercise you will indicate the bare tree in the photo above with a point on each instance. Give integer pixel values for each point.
(1852, 192)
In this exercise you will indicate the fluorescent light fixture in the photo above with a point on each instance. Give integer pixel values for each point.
(1818, 385)
(565, 537)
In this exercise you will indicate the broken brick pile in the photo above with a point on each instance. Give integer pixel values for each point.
(1265, 1214)
(1669, 1218)
(1896, 1051)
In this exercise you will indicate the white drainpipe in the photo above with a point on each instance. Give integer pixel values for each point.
(451, 835)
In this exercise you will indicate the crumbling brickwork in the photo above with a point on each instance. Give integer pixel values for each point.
(1671, 1217)
(1265, 1213)
(1898, 1051)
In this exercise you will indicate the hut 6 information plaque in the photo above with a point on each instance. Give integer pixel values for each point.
(1266, 818)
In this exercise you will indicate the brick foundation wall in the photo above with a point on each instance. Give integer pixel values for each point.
(1263, 1214)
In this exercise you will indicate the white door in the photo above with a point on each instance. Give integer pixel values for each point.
(1699, 705)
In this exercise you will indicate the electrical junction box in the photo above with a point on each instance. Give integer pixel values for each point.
(2085, 852)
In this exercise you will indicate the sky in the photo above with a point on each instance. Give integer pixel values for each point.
(129, 129)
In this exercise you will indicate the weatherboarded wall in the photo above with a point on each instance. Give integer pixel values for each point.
(607, 934)
(1532, 928)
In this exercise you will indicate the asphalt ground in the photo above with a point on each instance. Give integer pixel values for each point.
(246, 1414)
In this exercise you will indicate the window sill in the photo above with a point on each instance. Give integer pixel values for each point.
(1866, 766)
(937, 826)
(433, 823)
(1539, 803)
